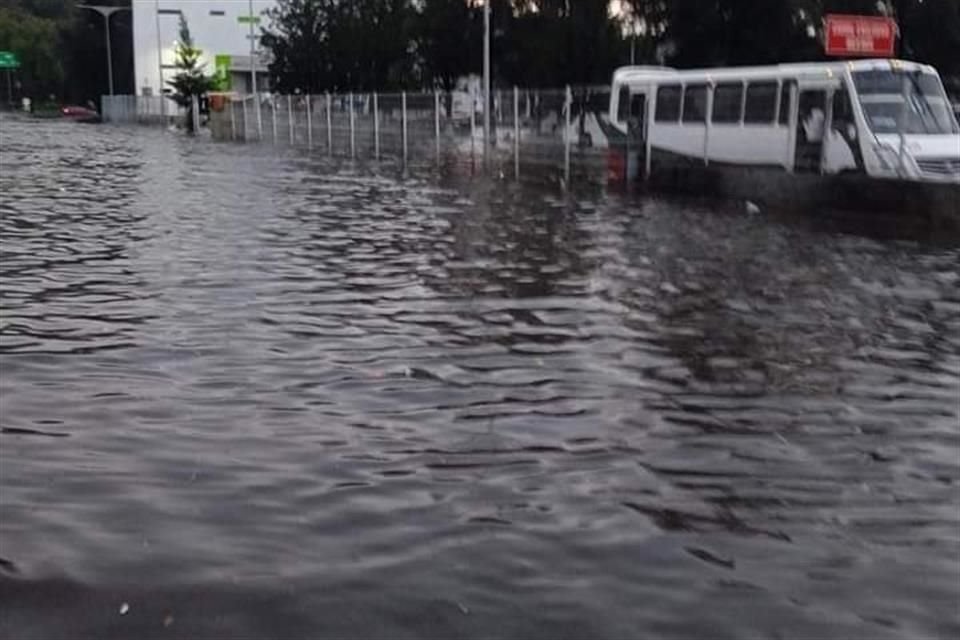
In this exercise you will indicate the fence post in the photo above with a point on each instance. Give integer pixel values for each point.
(353, 137)
(516, 133)
(403, 107)
(256, 103)
(195, 113)
(436, 121)
(233, 120)
(329, 125)
(245, 123)
(273, 117)
(566, 142)
(309, 124)
(473, 130)
(290, 118)
(376, 127)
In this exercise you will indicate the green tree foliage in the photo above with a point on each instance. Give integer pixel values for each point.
(717, 32)
(361, 45)
(190, 79)
(330, 45)
(543, 43)
(62, 48)
(443, 30)
(35, 41)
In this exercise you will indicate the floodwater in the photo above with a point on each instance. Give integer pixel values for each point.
(247, 394)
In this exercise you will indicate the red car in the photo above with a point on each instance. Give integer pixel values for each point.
(80, 114)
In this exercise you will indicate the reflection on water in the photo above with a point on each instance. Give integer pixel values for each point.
(257, 395)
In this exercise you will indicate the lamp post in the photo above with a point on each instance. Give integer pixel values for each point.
(486, 80)
(106, 12)
(250, 20)
(253, 73)
(253, 50)
(163, 102)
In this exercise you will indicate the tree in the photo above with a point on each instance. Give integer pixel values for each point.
(61, 48)
(763, 31)
(730, 32)
(35, 41)
(444, 29)
(333, 45)
(299, 39)
(190, 81)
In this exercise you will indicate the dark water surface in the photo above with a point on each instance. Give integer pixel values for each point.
(246, 395)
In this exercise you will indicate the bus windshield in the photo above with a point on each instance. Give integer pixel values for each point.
(907, 102)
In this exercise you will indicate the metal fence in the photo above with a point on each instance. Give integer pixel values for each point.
(554, 134)
(559, 135)
(140, 110)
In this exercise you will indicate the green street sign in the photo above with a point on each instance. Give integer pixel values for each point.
(248, 19)
(221, 74)
(9, 60)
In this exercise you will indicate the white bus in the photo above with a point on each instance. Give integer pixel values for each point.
(882, 118)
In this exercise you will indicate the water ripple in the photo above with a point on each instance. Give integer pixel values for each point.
(305, 398)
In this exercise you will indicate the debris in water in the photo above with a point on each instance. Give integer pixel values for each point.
(668, 288)
(124, 608)
(463, 608)
(168, 619)
(752, 208)
(707, 556)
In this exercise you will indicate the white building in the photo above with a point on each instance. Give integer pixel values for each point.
(220, 28)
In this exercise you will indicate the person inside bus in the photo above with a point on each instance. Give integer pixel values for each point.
(812, 114)
(813, 124)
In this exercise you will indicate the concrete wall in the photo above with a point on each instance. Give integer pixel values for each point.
(213, 25)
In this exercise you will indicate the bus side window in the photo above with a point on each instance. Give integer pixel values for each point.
(727, 103)
(761, 98)
(623, 103)
(668, 103)
(695, 103)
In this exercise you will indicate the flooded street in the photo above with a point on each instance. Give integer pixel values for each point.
(246, 393)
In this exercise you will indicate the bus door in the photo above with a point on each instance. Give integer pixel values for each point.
(811, 126)
(814, 123)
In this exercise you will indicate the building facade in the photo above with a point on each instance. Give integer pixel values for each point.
(221, 29)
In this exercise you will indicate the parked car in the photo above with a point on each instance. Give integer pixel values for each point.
(80, 114)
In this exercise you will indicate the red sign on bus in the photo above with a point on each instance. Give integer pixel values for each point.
(870, 36)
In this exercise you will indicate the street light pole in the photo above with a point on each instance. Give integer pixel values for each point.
(486, 80)
(106, 12)
(253, 67)
(163, 101)
(253, 75)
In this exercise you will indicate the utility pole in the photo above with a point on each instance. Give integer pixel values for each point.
(253, 66)
(163, 100)
(106, 12)
(253, 72)
(486, 80)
